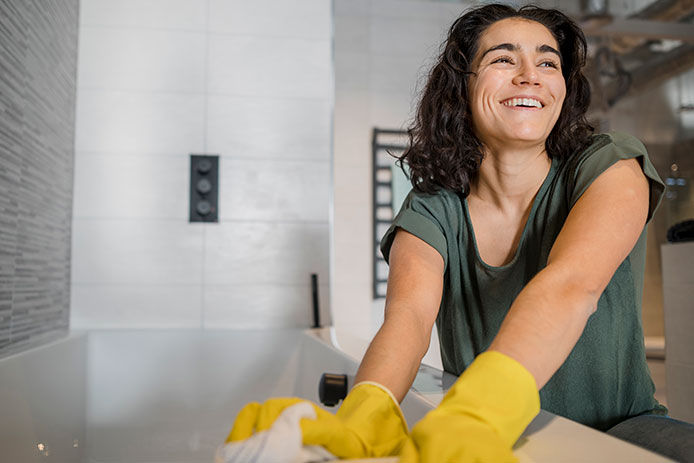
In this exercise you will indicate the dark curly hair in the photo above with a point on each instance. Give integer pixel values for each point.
(444, 151)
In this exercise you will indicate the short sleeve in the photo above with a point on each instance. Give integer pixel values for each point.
(421, 214)
(615, 147)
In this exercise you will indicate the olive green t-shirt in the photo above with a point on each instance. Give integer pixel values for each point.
(605, 379)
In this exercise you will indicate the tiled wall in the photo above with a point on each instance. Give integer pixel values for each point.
(159, 80)
(383, 48)
(38, 50)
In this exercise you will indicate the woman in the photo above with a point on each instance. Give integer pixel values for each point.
(524, 240)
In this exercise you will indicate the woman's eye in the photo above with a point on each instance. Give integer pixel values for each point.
(503, 59)
(550, 64)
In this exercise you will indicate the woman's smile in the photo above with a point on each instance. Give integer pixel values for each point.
(523, 102)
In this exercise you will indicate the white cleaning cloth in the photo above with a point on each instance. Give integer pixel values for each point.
(282, 443)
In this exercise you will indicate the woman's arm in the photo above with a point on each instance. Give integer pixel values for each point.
(415, 286)
(549, 315)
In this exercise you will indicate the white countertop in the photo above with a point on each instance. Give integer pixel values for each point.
(549, 438)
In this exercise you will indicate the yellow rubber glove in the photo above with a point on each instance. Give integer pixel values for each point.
(368, 424)
(481, 416)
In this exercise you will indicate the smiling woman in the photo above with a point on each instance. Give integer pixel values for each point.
(523, 239)
(444, 149)
(524, 236)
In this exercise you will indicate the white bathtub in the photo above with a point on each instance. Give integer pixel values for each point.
(171, 396)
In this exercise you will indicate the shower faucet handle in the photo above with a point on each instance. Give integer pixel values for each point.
(332, 388)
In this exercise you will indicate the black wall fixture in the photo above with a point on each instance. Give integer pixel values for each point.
(385, 144)
(204, 188)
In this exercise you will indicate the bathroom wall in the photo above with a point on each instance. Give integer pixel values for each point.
(38, 46)
(159, 80)
(383, 49)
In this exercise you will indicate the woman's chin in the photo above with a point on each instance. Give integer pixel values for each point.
(525, 139)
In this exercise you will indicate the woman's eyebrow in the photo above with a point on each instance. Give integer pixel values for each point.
(511, 47)
(548, 49)
(501, 46)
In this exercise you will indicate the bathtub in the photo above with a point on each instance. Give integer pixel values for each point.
(171, 396)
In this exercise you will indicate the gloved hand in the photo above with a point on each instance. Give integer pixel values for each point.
(368, 424)
(481, 416)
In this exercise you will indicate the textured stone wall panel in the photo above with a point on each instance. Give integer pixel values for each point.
(38, 59)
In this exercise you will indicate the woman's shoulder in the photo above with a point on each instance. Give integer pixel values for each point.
(624, 140)
(601, 150)
(620, 143)
(441, 200)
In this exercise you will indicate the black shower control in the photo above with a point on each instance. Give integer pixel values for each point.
(204, 188)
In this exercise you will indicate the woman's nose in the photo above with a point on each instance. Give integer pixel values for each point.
(527, 74)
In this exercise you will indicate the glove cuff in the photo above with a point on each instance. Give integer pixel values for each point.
(498, 390)
(381, 387)
(373, 412)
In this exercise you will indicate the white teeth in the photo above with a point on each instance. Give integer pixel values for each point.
(522, 102)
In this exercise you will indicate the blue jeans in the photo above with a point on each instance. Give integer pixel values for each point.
(660, 434)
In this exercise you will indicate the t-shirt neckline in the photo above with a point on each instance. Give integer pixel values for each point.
(533, 209)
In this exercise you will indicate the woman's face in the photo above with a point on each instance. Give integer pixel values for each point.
(518, 90)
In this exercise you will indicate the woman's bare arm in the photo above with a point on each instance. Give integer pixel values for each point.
(549, 315)
(415, 286)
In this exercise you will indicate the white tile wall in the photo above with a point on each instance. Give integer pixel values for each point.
(406, 36)
(131, 186)
(345, 8)
(351, 33)
(348, 295)
(401, 74)
(352, 71)
(270, 67)
(138, 252)
(266, 253)
(274, 190)
(262, 306)
(171, 14)
(159, 80)
(357, 178)
(114, 306)
(392, 109)
(426, 11)
(261, 128)
(352, 133)
(361, 263)
(142, 59)
(271, 18)
(139, 122)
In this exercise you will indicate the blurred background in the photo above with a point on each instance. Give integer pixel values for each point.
(102, 103)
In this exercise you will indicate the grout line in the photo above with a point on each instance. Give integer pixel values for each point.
(175, 92)
(284, 158)
(206, 98)
(205, 30)
(184, 220)
(282, 284)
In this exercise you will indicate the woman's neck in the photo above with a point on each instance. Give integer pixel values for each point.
(509, 179)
